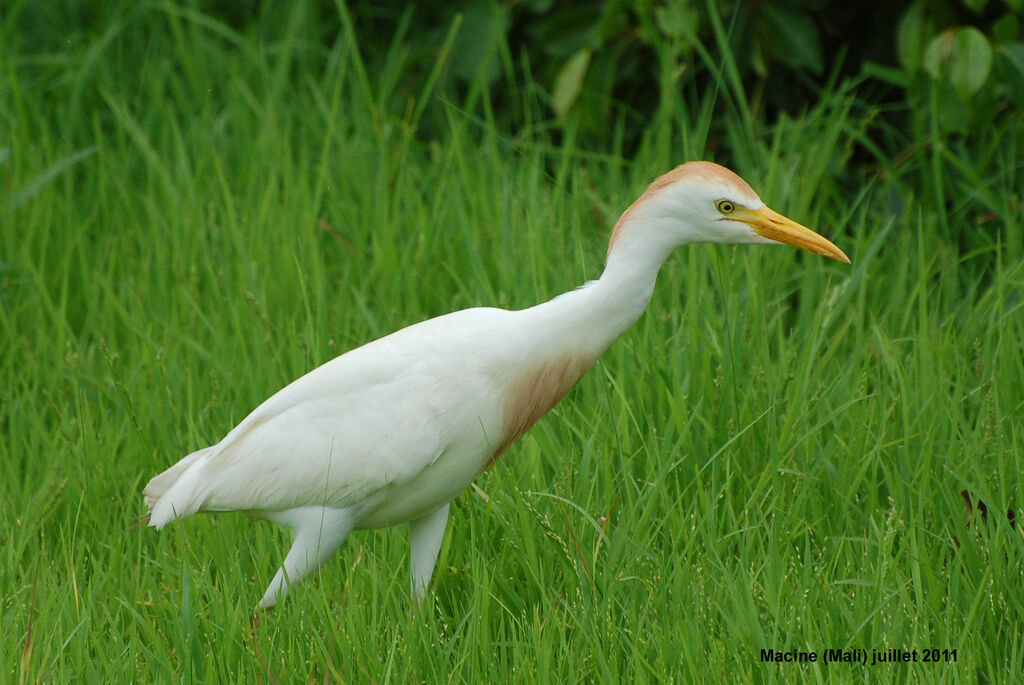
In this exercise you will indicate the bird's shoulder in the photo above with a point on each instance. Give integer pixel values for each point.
(422, 353)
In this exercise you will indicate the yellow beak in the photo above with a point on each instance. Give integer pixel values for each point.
(768, 223)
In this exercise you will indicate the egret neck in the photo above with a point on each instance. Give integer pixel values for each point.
(597, 313)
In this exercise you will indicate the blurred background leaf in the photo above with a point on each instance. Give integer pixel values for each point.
(962, 56)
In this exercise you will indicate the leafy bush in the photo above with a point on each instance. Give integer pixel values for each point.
(936, 88)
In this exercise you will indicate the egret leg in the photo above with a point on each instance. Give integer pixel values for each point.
(319, 532)
(425, 537)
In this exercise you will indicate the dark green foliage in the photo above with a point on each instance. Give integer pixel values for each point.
(612, 76)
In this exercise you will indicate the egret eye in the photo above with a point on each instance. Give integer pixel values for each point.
(725, 206)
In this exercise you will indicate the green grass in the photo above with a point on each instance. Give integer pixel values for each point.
(771, 458)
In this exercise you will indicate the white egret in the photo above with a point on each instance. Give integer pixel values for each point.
(390, 432)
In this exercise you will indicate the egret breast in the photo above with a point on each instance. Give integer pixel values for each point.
(532, 393)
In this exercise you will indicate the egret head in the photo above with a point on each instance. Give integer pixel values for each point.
(705, 202)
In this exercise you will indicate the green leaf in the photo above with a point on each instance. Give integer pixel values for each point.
(793, 38)
(614, 21)
(602, 75)
(914, 31)
(561, 33)
(484, 25)
(976, 6)
(1014, 54)
(1011, 71)
(569, 81)
(1006, 29)
(677, 20)
(961, 56)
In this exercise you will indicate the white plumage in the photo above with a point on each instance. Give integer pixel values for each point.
(391, 431)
